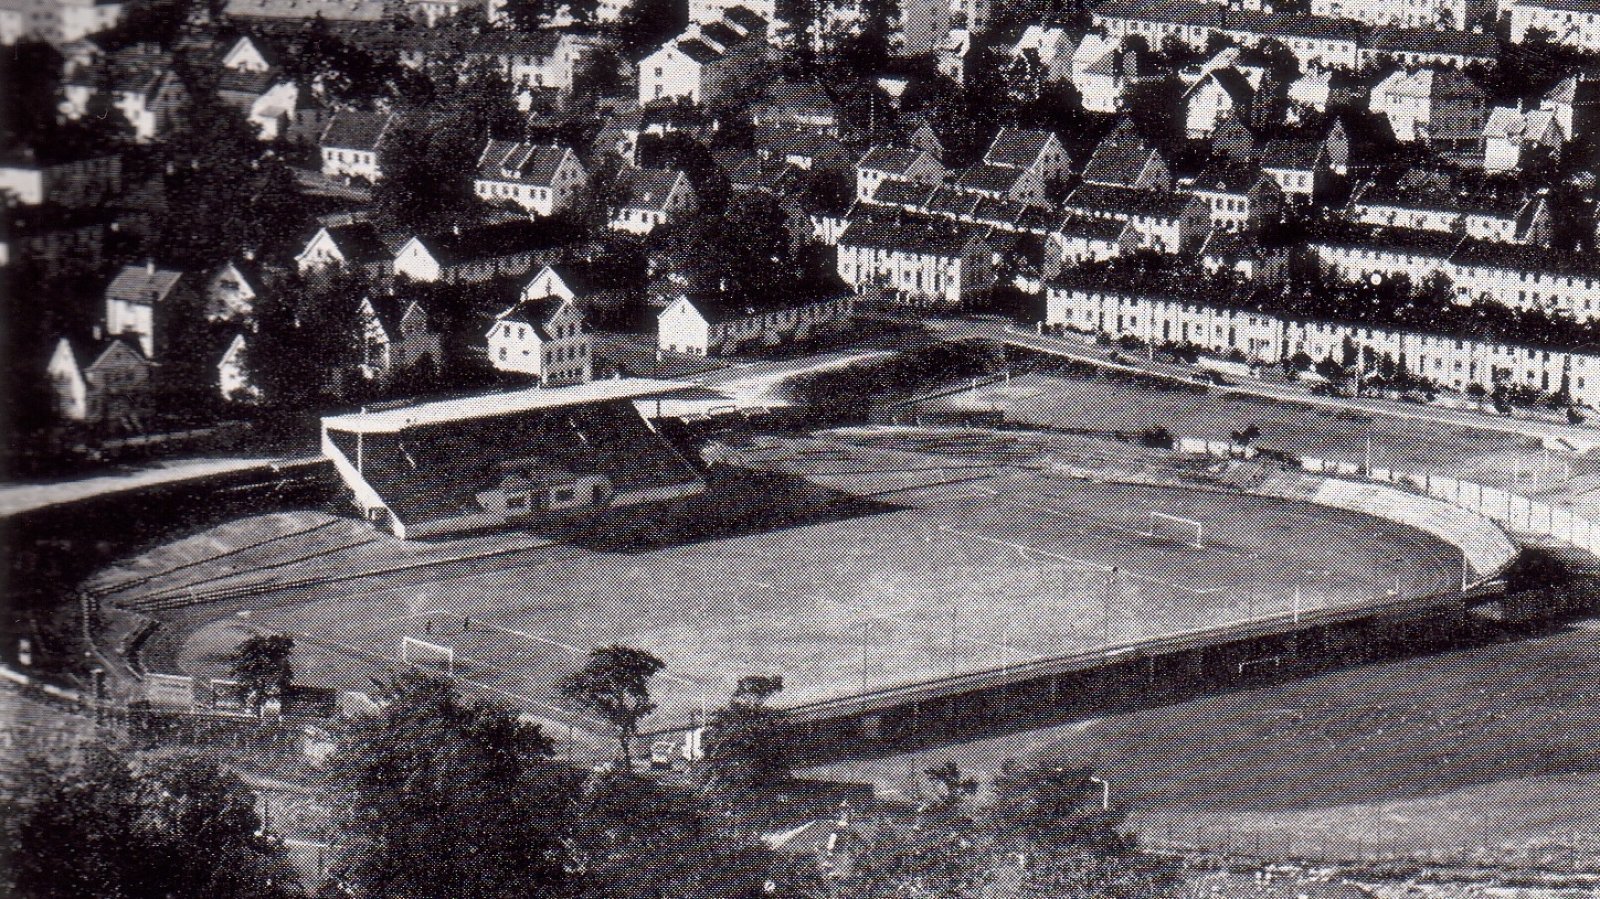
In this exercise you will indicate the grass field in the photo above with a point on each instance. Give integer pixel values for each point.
(941, 561)
(1484, 754)
(1497, 459)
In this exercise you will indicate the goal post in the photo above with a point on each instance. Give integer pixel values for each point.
(431, 656)
(1177, 529)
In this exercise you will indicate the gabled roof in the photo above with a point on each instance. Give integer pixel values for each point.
(1227, 176)
(1094, 198)
(897, 192)
(1521, 257)
(354, 129)
(500, 239)
(698, 50)
(1512, 124)
(250, 84)
(534, 164)
(1182, 12)
(649, 189)
(91, 354)
(745, 19)
(779, 141)
(1089, 228)
(1434, 41)
(1017, 147)
(911, 233)
(1232, 82)
(1045, 43)
(721, 306)
(535, 312)
(989, 178)
(359, 242)
(1428, 84)
(1284, 24)
(893, 160)
(142, 285)
(785, 97)
(1575, 91)
(1423, 189)
(1291, 154)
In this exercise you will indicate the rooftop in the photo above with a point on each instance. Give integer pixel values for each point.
(438, 412)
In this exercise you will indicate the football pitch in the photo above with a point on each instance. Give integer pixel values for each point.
(935, 562)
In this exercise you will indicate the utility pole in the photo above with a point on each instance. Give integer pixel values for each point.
(1111, 600)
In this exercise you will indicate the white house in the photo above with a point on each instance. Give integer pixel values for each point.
(352, 144)
(1511, 132)
(1103, 71)
(136, 301)
(1220, 94)
(717, 324)
(1458, 14)
(1038, 152)
(1165, 222)
(896, 164)
(232, 291)
(1442, 107)
(706, 62)
(108, 382)
(1049, 48)
(542, 179)
(1240, 197)
(482, 253)
(1576, 103)
(353, 245)
(650, 198)
(1432, 202)
(35, 176)
(543, 335)
(393, 336)
(1299, 167)
(1428, 46)
(1075, 241)
(141, 84)
(917, 260)
(235, 380)
(1524, 277)
(1575, 23)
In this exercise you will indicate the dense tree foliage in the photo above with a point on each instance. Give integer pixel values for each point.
(110, 826)
(261, 665)
(615, 685)
(449, 798)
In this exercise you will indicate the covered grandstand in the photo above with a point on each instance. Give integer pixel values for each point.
(493, 460)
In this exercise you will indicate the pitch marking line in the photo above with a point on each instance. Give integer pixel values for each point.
(1082, 564)
(1079, 516)
(527, 636)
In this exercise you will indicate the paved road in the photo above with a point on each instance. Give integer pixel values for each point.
(1583, 438)
(18, 498)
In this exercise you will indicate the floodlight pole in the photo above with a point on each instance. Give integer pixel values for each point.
(1111, 600)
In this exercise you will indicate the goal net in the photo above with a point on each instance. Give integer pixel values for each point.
(428, 656)
(1177, 529)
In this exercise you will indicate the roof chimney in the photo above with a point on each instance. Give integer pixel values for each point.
(149, 266)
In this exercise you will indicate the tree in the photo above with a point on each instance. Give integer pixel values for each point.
(428, 169)
(746, 747)
(632, 837)
(261, 666)
(954, 785)
(114, 825)
(615, 684)
(450, 798)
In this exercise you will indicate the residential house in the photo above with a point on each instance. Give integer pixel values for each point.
(1038, 152)
(1103, 81)
(1003, 182)
(1187, 21)
(916, 260)
(393, 336)
(301, 12)
(1165, 222)
(706, 62)
(541, 179)
(55, 241)
(898, 164)
(651, 198)
(1318, 89)
(797, 104)
(1241, 197)
(1512, 136)
(1439, 106)
(138, 303)
(950, 56)
(1222, 93)
(800, 147)
(141, 84)
(351, 246)
(58, 176)
(1427, 46)
(719, 323)
(1314, 40)
(236, 381)
(1234, 139)
(1575, 23)
(1433, 201)
(961, 205)
(1576, 103)
(56, 21)
(232, 291)
(470, 255)
(105, 382)
(352, 144)
(1076, 240)
(1045, 50)
(1299, 167)
(1526, 277)
(1440, 14)
(1246, 256)
(1372, 254)
(544, 334)
(971, 15)
(1124, 163)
